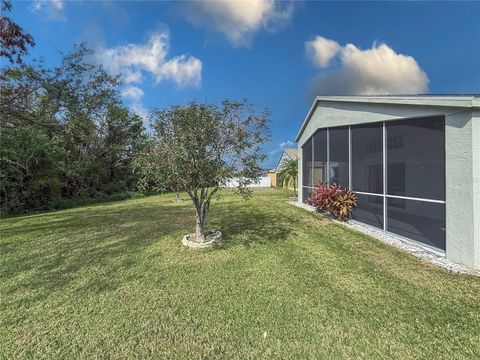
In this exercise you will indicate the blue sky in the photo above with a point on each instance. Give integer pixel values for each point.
(276, 54)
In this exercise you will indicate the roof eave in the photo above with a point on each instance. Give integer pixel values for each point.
(439, 101)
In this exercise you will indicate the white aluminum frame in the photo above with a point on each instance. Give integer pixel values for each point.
(384, 149)
(349, 157)
(327, 172)
(384, 194)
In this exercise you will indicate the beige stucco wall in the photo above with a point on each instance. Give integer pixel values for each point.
(273, 178)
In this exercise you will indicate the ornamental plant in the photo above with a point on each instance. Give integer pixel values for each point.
(333, 199)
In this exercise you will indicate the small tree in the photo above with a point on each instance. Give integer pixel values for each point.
(205, 145)
(289, 174)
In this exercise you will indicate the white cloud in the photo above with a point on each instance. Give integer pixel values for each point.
(132, 92)
(49, 9)
(130, 60)
(322, 50)
(287, 144)
(134, 96)
(238, 21)
(375, 71)
(141, 111)
(132, 77)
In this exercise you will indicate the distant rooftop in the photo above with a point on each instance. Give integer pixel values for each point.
(292, 153)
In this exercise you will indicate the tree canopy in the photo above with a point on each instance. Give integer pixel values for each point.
(202, 146)
(64, 132)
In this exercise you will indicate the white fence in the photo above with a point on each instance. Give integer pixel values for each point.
(263, 182)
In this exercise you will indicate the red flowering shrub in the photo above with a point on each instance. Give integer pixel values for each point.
(320, 199)
(333, 199)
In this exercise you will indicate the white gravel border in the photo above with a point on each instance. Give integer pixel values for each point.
(430, 255)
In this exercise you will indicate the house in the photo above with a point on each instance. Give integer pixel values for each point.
(413, 161)
(287, 154)
(263, 181)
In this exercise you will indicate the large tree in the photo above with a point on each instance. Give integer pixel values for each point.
(205, 145)
(64, 133)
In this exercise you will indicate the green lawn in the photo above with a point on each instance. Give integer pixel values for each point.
(114, 281)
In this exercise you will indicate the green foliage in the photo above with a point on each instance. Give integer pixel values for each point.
(289, 174)
(30, 164)
(201, 146)
(64, 134)
(152, 173)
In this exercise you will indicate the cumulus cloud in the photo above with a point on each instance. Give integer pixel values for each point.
(322, 50)
(287, 144)
(238, 21)
(134, 95)
(375, 71)
(132, 92)
(49, 9)
(133, 59)
(132, 77)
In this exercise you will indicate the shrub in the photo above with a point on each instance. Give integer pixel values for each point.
(333, 199)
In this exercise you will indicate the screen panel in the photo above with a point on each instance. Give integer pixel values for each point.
(320, 156)
(416, 158)
(367, 158)
(338, 151)
(369, 210)
(307, 192)
(418, 220)
(307, 163)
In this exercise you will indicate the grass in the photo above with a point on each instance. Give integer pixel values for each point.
(113, 281)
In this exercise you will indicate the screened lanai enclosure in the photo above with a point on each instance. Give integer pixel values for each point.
(413, 161)
(397, 169)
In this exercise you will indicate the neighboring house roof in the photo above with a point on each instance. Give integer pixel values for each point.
(291, 153)
(458, 101)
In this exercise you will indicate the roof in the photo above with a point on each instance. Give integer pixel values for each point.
(292, 153)
(458, 101)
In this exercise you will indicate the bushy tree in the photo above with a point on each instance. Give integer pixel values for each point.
(205, 145)
(30, 168)
(72, 112)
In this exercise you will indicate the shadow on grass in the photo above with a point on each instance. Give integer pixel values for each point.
(48, 252)
(99, 245)
(247, 225)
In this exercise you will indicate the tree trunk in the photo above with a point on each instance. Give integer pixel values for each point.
(201, 209)
(200, 231)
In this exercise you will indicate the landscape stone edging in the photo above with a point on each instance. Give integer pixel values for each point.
(428, 255)
(217, 237)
